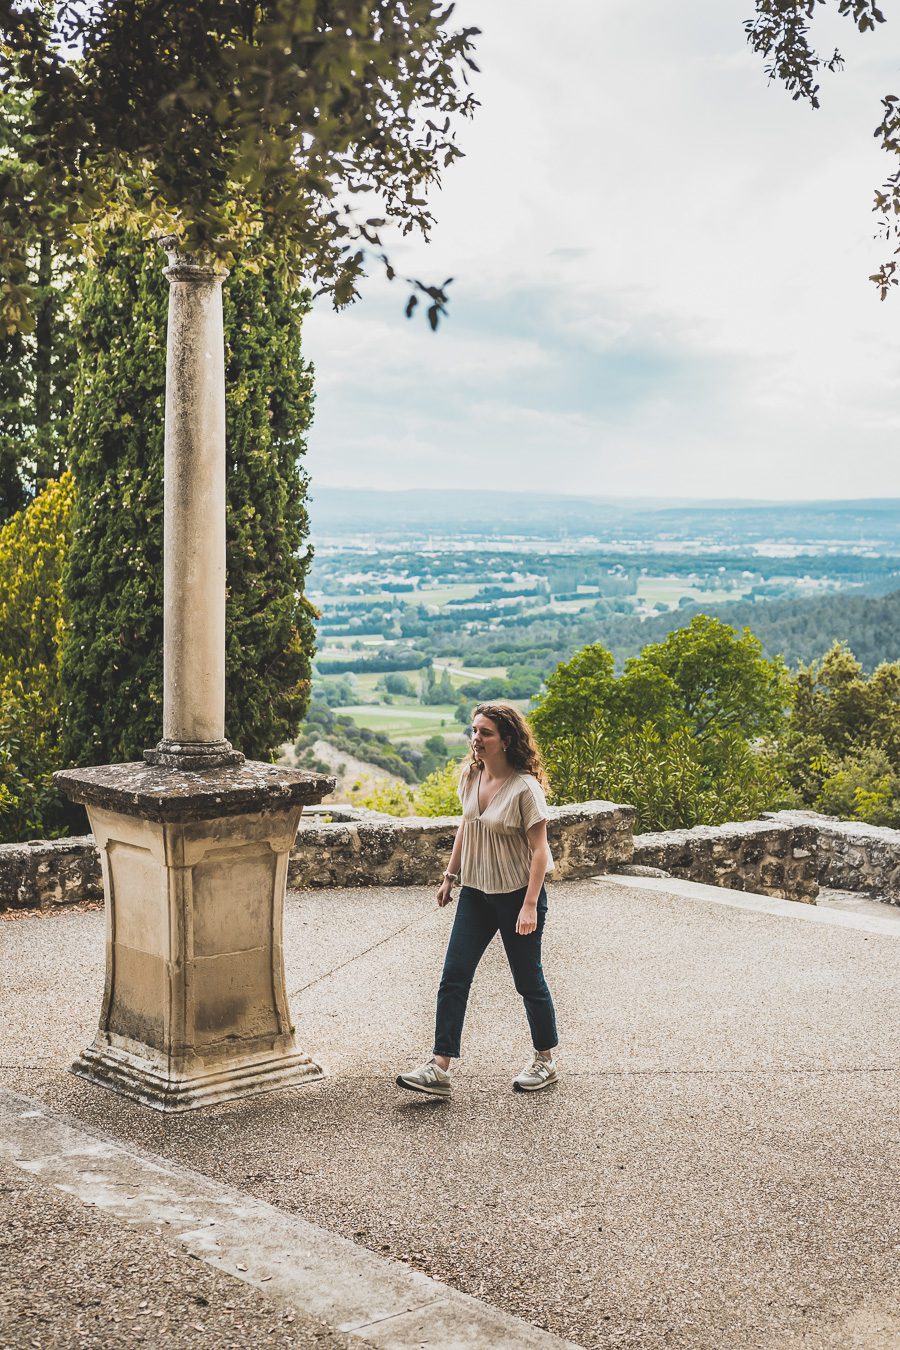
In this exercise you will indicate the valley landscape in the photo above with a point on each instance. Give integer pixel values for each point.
(432, 601)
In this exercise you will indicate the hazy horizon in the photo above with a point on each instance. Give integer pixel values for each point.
(694, 499)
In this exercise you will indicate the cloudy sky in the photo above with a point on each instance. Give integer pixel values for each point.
(660, 269)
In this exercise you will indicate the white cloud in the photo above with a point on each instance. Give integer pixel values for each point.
(661, 268)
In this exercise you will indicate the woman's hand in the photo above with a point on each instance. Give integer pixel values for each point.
(445, 893)
(527, 921)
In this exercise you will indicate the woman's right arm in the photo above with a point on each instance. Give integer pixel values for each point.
(444, 895)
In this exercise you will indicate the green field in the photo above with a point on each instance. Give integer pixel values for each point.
(669, 590)
(463, 674)
(413, 720)
(405, 718)
(439, 595)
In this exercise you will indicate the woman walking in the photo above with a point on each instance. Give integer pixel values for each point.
(502, 856)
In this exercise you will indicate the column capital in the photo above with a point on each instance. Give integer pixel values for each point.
(188, 266)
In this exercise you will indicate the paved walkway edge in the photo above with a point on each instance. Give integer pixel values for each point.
(760, 904)
(379, 1301)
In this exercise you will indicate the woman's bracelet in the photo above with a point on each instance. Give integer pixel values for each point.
(452, 876)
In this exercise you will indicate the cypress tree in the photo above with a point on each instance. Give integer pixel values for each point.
(112, 662)
(35, 366)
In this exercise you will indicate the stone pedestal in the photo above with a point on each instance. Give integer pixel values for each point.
(194, 870)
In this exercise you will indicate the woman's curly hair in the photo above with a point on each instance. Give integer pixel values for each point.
(522, 752)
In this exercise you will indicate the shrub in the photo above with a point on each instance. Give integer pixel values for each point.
(390, 798)
(864, 787)
(437, 794)
(672, 781)
(33, 547)
(395, 683)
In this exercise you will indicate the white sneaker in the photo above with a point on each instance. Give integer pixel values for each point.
(430, 1078)
(540, 1073)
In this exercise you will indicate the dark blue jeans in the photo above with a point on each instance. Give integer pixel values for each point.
(479, 917)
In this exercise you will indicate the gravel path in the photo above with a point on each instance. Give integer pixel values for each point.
(72, 1277)
(718, 1169)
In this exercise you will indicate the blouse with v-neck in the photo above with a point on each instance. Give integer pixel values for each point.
(496, 856)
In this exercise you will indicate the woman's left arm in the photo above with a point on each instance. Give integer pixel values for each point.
(540, 858)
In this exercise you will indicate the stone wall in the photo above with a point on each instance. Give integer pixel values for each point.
(336, 846)
(365, 849)
(769, 857)
(48, 872)
(853, 856)
(786, 853)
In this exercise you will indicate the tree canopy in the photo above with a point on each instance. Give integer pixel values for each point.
(676, 733)
(704, 678)
(841, 745)
(36, 367)
(780, 32)
(309, 127)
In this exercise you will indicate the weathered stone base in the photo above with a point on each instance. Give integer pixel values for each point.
(195, 1009)
(136, 1077)
(193, 755)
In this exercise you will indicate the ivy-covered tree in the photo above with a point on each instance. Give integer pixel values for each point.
(112, 663)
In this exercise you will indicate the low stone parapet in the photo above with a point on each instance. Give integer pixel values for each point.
(853, 856)
(784, 853)
(335, 846)
(373, 850)
(768, 857)
(48, 872)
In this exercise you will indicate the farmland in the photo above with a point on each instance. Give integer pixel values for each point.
(417, 624)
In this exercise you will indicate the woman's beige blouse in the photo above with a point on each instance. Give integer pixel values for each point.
(496, 856)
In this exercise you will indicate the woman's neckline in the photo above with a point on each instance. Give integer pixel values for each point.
(497, 790)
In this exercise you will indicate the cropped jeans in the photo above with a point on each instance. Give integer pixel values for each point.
(479, 917)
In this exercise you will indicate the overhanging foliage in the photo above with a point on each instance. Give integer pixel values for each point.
(307, 126)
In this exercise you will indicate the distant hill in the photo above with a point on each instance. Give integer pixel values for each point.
(798, 630)
(342, 512)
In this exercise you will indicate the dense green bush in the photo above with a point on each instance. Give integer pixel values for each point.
(402, 685)
(840, 750)
(436, 795)
(112, 662)
(33, 547)
(391, 799)
(865, 786)
(672, 781)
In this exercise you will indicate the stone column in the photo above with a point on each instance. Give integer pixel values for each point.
(194, 842)
(194, 522)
